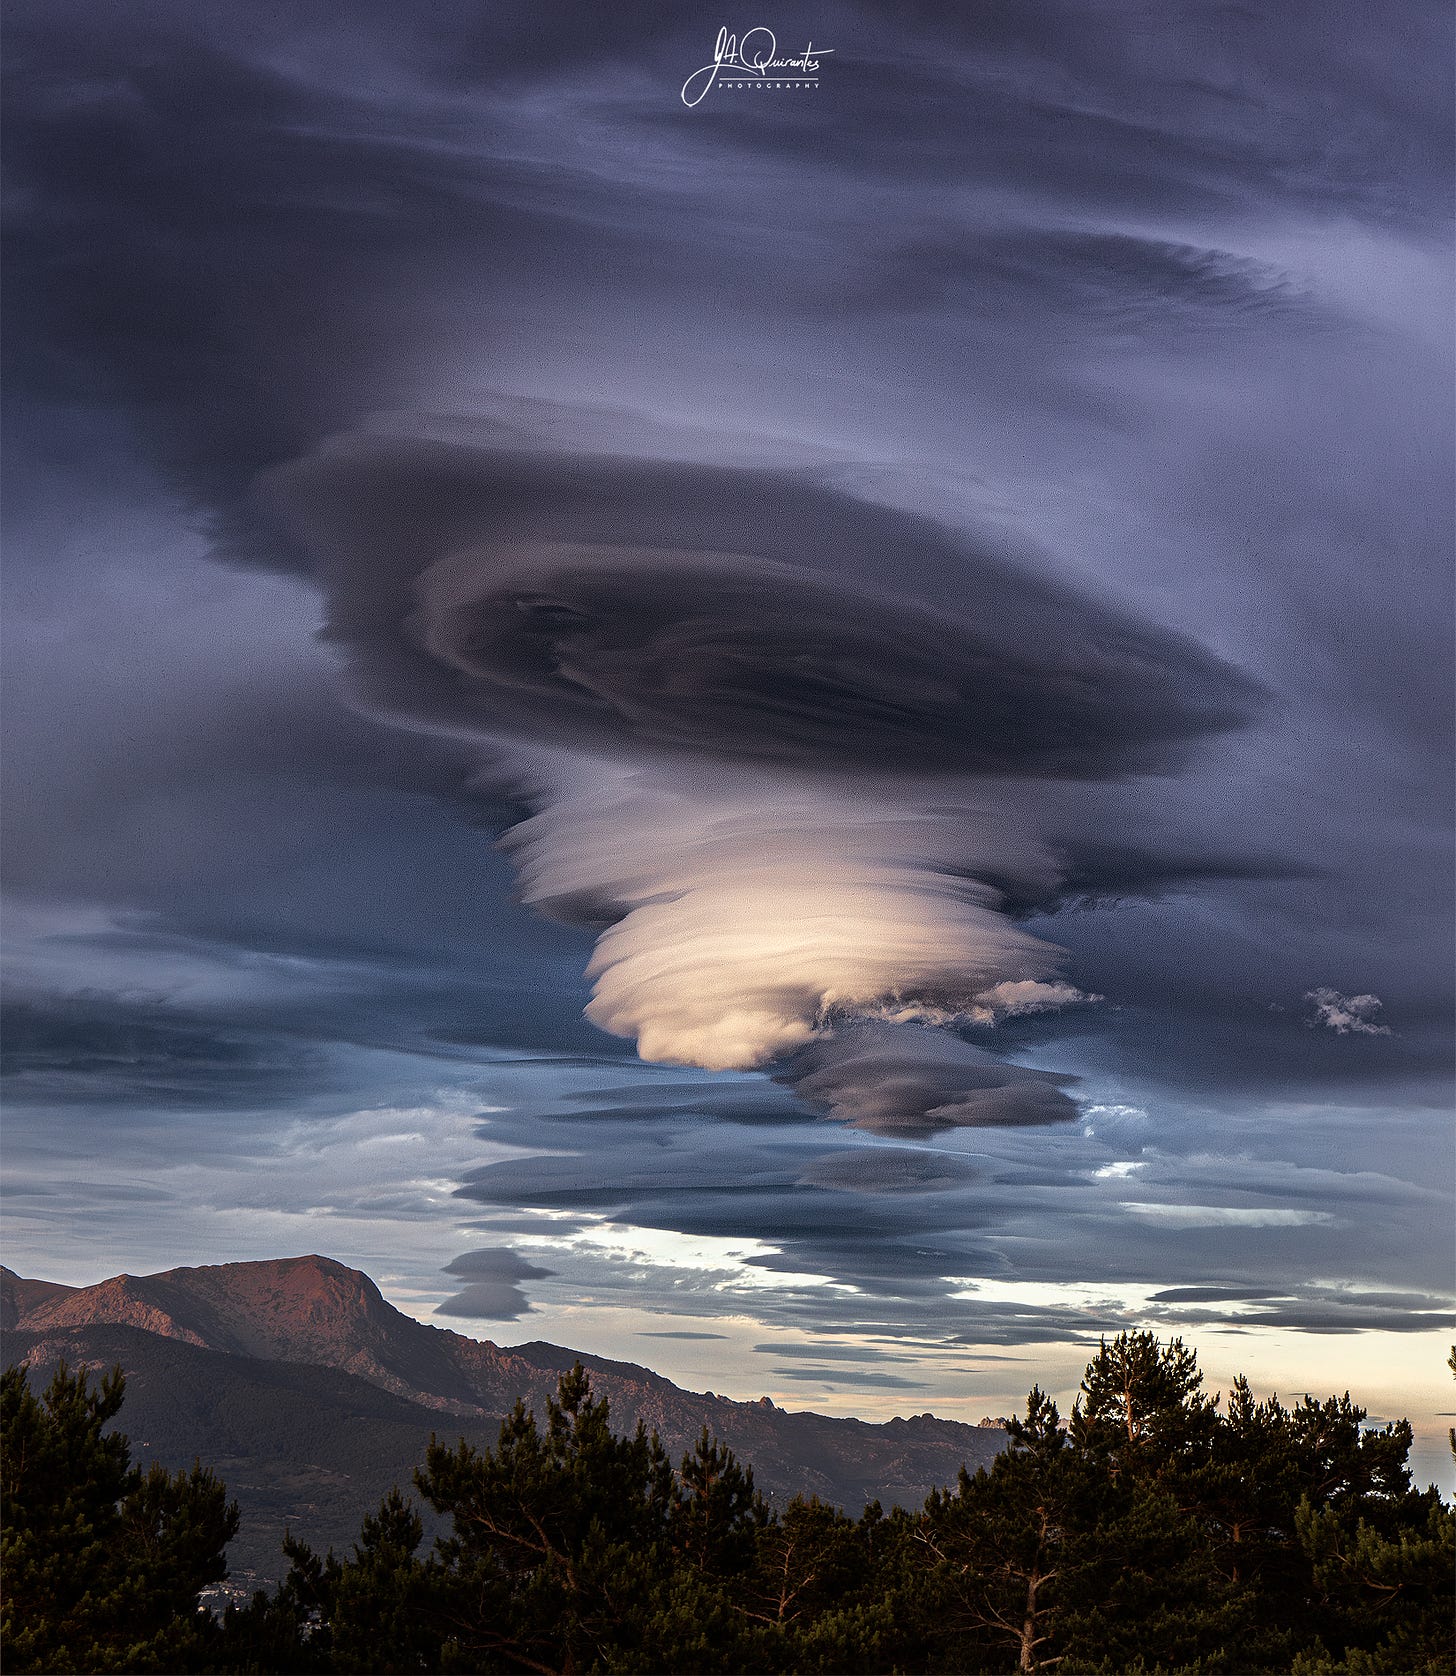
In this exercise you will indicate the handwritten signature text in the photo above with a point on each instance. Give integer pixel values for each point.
(755, 53)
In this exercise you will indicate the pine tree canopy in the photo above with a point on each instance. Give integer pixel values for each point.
(1159, 1529)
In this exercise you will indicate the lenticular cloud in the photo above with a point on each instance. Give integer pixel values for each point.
(774, 740)
(747, 915)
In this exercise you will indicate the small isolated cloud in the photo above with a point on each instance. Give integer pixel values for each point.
(1346, 1014)
(1213, 1295)
(887, 1169)
(1012, 999)
(494, 1279)
(830, 1378)
(1100, 1119)
(683, 1334)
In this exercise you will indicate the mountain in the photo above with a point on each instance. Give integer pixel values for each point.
(310, 1395)
(300, 1448)
(19, 1296)
(299, 1309)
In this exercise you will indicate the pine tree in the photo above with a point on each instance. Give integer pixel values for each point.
(556, 1536)
(1385, 1597)
(1141, 1404)
(374, 1611)
(717, 1514)
(1005, 1545)
(1152, 1535)
(691, 1617)
(807, 1560)
(103, 1564)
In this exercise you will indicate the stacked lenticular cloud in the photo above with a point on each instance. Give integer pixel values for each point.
(781, 745)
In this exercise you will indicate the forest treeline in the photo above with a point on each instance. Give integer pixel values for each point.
(1156, 1529)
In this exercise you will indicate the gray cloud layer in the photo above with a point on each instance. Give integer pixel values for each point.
(655, 606)
(1153, 308)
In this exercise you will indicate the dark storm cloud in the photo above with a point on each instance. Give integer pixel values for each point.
(220, 772)
(1122, 112)
(245, 237)
(662, 613)
(911, 1081)
(1216, 1003)
(894, 1245)
(712, 1101)
(690, 610)
(1011, 1209)
(494, 1289)
(895, 1248)
(255, 172)
(640, 1179)
(1313, 1312)
(1306, 104)
(236, 1014)
(112, 1050)
(1096, 873)
(239, 248)
(105, 1192)
(167, 255)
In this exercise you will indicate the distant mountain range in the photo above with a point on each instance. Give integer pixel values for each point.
(310, 1396)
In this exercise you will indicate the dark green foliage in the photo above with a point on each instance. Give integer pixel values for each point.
(1141, 1407)
(1159, 1532)
(1382, 1587)
(102, 1563)
(292, 1441)
(1007, 1546)
(806, 1562)
(555, 1534)
(716, 1516)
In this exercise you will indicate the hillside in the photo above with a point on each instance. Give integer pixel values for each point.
(300, 1448)
(20, 1297)
(311, 1394)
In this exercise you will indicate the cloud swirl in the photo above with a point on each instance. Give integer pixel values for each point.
(772, 736)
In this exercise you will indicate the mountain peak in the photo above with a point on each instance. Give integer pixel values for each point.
(307, 1308)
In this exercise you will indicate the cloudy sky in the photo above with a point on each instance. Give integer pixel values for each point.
(801, 737)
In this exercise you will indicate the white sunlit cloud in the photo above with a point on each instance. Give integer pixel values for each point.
(1226, 1216)
(1347, 1015)
(721, 1263)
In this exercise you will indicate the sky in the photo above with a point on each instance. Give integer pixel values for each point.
(796, 731)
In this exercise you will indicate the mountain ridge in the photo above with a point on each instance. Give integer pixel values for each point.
(250, 1323)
